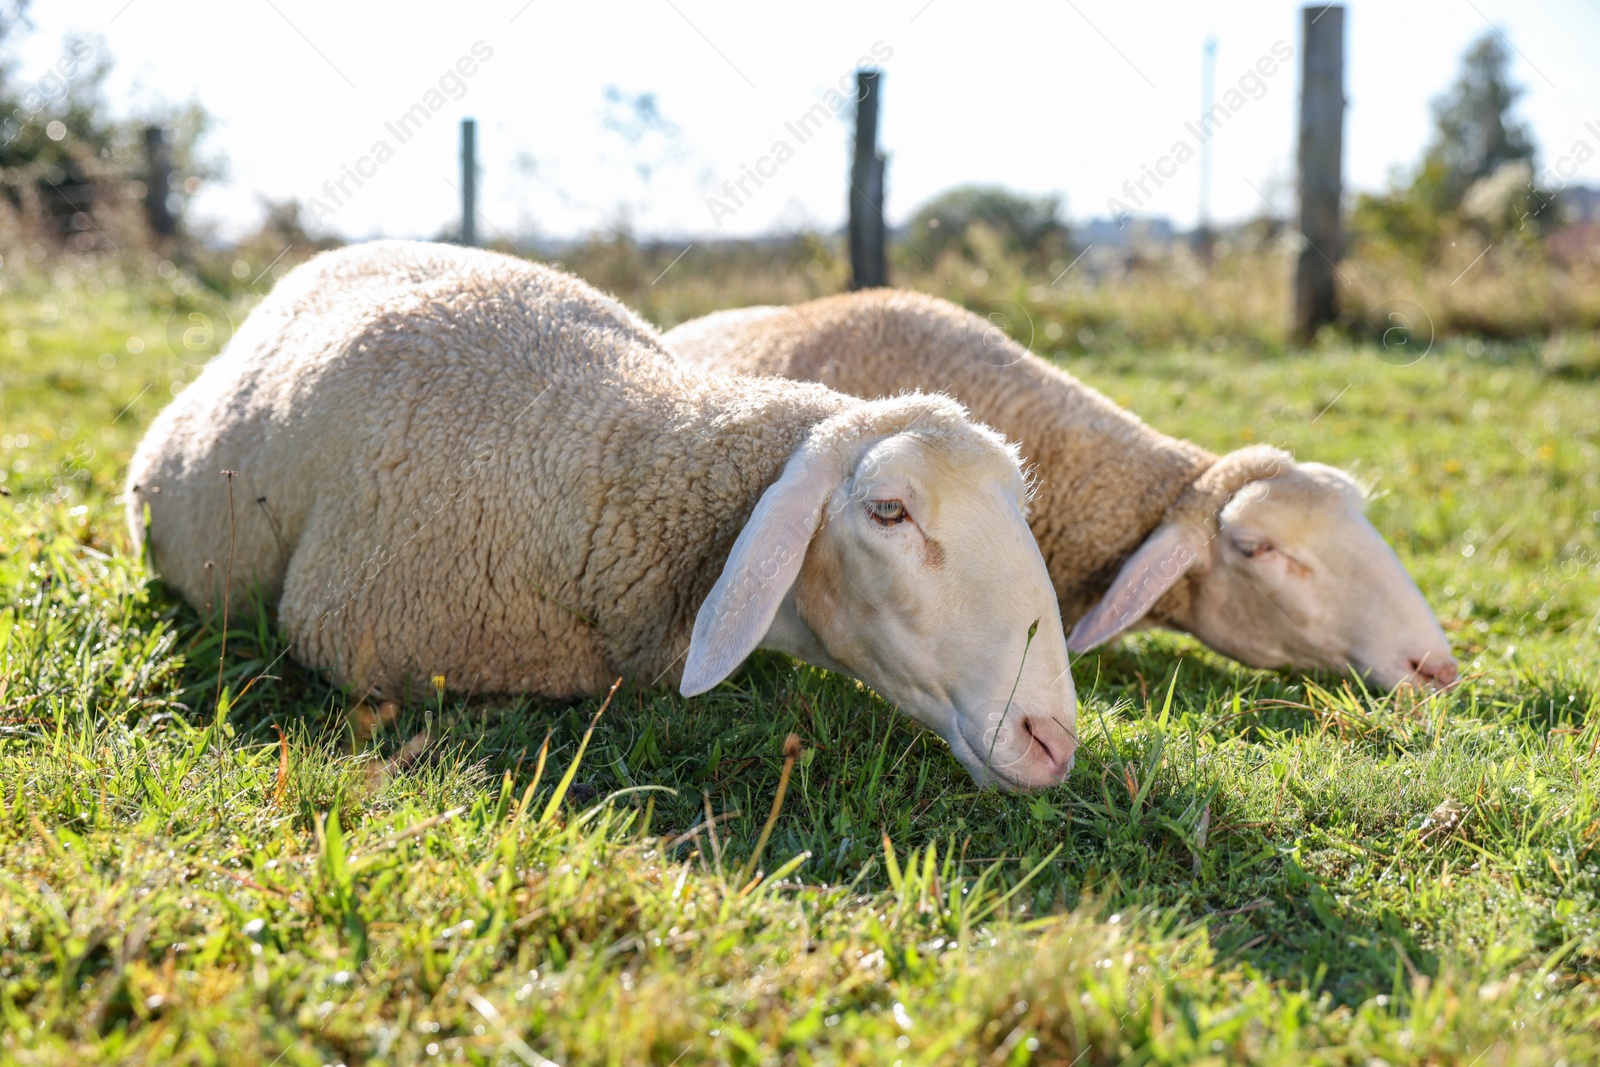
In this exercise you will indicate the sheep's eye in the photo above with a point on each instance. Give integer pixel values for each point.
(1252, 549)
(887, 512)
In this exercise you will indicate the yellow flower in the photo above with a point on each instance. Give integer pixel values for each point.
(438, 683)
(1452, 466)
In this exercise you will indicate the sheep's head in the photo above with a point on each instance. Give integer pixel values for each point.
(896, 549)
(1283, 570)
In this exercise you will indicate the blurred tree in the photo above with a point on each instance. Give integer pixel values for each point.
(13, 13)
(1477, 171)
(969, 218)
(13, 21)
(67, 163)
(1475, 134)
(650, 144)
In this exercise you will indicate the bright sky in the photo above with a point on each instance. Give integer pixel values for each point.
(1072, 98)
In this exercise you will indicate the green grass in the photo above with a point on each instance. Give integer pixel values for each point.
(1261, 868)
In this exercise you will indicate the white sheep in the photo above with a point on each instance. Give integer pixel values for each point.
(1266, 560)
(451, 462)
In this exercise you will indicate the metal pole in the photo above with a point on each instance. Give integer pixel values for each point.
(469, 182)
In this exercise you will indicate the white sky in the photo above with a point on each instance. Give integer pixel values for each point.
(1071, 98)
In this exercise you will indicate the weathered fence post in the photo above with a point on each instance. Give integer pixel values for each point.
(469, 182)
(1321, 166)
(158, 182)
(868, 267)
(1205, 241)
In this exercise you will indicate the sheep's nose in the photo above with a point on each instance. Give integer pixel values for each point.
(1053, 744)
(1440, 671)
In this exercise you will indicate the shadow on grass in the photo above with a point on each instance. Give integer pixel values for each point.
(1154, 818)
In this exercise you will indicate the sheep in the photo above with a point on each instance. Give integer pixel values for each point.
(448, 462)
(1265, 560)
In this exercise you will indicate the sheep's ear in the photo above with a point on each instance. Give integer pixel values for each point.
(763, 565)
(1165, 557)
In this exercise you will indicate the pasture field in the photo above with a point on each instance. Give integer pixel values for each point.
(1243, 866)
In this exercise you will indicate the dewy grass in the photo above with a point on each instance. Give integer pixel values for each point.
(1291, 870)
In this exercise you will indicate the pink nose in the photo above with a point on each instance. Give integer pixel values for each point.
(1053, 745)
(1440, 671)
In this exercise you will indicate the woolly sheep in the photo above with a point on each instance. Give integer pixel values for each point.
(1266, 560)
(451, 462)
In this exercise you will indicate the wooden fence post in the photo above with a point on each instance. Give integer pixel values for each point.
(1321, 167)
(469, 182)
(158, 182)
(868, 267)
(1205, 243)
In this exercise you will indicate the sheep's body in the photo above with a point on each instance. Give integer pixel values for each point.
(1105, 480)
(1267, 560)
(452, 462)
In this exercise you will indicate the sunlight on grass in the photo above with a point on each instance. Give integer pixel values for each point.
(1242, 866)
